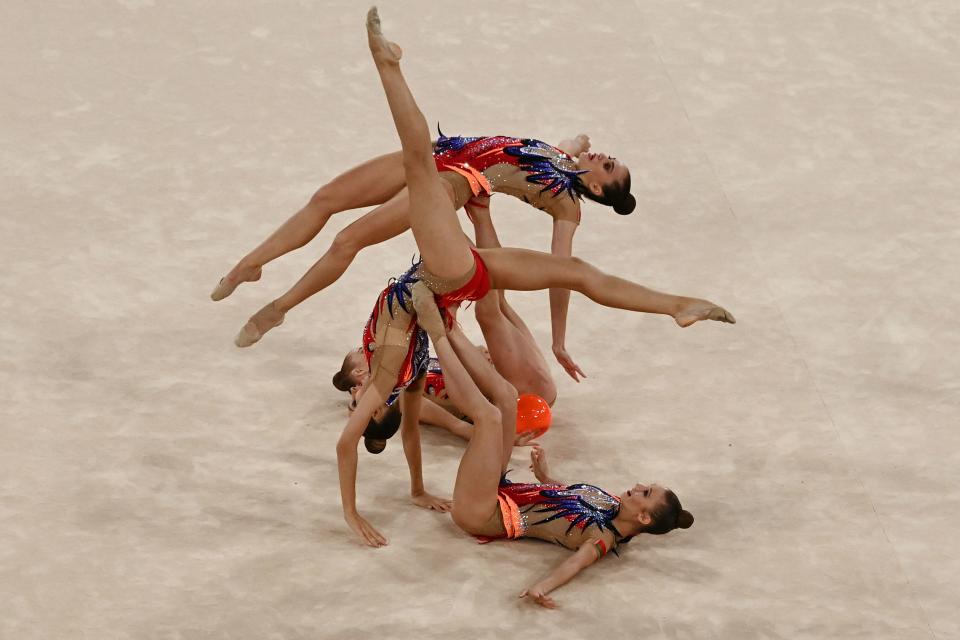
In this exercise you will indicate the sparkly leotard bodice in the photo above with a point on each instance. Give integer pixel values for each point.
(568, 515)
(528, 169)
(392, 327)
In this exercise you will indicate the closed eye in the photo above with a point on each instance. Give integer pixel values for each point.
(608, 166)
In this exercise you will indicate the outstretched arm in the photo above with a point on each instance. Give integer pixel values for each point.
(347, 466)
(410, 403)
(586, 555)
(562, 245)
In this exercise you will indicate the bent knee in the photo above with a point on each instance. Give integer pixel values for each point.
(327, 199)
(506, 395)
(348, 242)
(486, 414)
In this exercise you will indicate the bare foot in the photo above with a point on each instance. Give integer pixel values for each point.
(234, 279)
(697, 310)
(383, 50)
(259, 323)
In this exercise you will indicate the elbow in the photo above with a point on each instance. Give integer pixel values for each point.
(345, 446)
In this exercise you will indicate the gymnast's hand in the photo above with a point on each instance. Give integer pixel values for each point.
(432, 502)
(537, 594)
(571, 367)
(365, 530)
(583, 141)
(539, 465)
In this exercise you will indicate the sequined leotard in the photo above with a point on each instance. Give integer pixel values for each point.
(396, 348)
(435, 388)
(568, 515)
(534, 171)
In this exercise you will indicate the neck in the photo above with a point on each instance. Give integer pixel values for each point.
(627, 527)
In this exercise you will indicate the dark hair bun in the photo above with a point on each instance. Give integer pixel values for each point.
(626, 205)
(341, 381)
(374, 445)
(684, 519)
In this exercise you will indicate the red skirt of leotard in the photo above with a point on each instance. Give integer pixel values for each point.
(477, 287)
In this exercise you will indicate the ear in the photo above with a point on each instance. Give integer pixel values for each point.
(595, 189)
(358, 372)
(644, 518)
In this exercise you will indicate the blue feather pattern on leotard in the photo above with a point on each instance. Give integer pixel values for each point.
(399, 288)
(537, 159)
(582, 504)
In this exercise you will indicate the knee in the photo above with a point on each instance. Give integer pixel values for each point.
(488, 309)
(486, 415)
(325, 200)
(347, 243)
(505, 396)
(580, 271)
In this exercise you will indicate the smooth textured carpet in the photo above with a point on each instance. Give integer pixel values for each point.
(796, 162)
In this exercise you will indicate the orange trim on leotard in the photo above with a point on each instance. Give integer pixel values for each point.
(478, 182)
(511, 516)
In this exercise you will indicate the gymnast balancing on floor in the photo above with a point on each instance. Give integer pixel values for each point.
(455, 272)
(578, 516)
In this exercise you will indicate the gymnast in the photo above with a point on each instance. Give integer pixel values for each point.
(454, 272)
(552, 179)
(513, 352)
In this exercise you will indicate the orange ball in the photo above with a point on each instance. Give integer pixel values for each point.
(533, 414)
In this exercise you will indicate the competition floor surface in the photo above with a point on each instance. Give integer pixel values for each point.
(795, 162)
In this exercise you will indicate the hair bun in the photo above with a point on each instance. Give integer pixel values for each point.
(626, 206)
(340, 382)
(684, 519)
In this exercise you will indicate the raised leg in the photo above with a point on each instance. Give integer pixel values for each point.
(386, 221)
(514, 351)
(525, 270)
(433, 219)
(373, 182)
(502, 394)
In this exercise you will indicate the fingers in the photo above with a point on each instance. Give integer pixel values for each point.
(371, 535)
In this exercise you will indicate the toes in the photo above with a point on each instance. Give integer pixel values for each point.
(373, 21)
(722, 315)
(248, 336)
(221, 291)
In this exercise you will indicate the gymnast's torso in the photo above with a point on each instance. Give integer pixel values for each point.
(568, 515)
(533, 171)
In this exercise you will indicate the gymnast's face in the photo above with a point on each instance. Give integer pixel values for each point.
(357, 391)
(602, 170)
(641, 500)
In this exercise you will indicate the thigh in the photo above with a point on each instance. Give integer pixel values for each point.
(515, 355)
(372, 182)
(443, 246)
(527, 270)
(386, 221)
